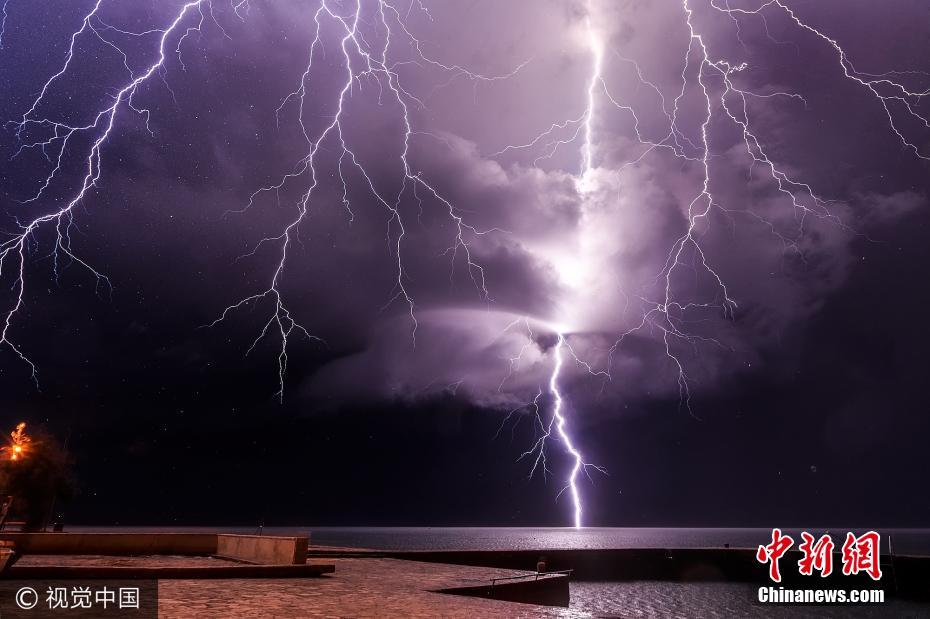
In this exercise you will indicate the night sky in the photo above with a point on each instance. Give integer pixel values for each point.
(802, 403)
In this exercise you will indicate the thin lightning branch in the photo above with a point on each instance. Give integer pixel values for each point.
(13, 251)
(514, 362)
(3, 17)
(897, 93)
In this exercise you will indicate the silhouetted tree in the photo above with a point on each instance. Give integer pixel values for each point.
(37, 479)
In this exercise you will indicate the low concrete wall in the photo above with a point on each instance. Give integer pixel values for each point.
(53, 572)
(264, 550)
(201, 544)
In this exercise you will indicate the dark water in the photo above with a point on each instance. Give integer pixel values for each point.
(906, 541)
(710, 599)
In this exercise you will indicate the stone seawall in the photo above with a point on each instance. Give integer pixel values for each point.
(189, 544)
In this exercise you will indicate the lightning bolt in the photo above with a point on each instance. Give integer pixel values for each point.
(578, 463)
(558, 424)
(3, 17)
(36, 130)
(561, 425)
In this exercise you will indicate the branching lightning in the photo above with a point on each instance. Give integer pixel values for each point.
(578, 463)
(364, 61)
(51, 134)
(557, 424)
(667, 314)
(3, 17)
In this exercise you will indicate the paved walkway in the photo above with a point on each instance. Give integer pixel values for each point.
(359, 588)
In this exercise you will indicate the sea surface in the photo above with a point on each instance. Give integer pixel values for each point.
(904, 541)
(712, 600)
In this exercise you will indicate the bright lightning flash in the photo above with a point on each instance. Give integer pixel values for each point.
(578, 463)
(559, 418)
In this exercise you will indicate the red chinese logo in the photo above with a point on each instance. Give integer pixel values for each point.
(817, 556)
(773, 552)
(860, 554)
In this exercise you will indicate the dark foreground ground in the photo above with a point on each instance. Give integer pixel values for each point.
(384, 587)
(359, 588)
